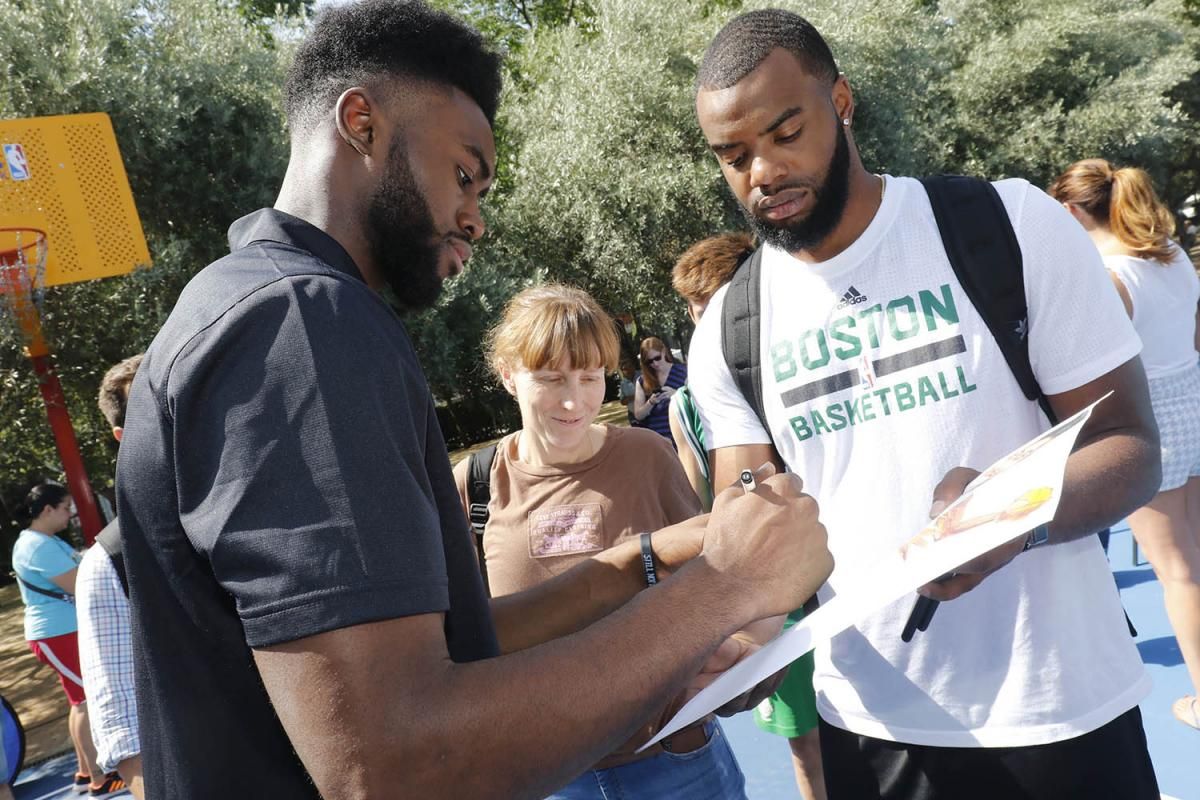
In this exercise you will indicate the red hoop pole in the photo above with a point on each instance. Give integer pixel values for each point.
(68, 448)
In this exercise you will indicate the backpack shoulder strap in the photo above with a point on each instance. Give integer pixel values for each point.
(110, 540)
(741, 333)
(479, 494)
(982, 247)
(66, 598)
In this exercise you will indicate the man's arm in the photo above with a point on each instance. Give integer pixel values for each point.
(727, 463)
(687, 460)
(522, 724)
(1116, 468)
(588, 591)
(591, 590)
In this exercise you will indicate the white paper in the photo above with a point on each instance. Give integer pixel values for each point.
(1012, 496)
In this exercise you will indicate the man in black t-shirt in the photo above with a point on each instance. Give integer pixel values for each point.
(309, 618)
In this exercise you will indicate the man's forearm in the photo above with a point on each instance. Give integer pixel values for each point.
(516, 726)
(551, 713)
(589, 591)
(1116, 467)
(1111, 475)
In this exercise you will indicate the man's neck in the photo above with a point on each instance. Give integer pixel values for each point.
(865, 195)
(322, 197)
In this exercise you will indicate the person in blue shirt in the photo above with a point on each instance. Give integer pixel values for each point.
(45, 566)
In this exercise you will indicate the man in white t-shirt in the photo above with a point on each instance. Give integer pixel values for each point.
(1027, 684)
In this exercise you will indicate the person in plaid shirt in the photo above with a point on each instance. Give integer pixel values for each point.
(105, 644)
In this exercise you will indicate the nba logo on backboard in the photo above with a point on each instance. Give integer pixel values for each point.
(18, 167)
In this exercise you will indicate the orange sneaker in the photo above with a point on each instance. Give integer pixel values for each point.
(111, 787)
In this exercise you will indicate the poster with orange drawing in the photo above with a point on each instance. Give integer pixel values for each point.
(1009, 498)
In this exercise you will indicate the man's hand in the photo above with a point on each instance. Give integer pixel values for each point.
(678, 544)
(971, 574)
(736, 648)
(768, 543)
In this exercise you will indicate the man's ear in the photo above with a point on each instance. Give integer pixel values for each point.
(355, 121)
(118, 432)
(843, 99)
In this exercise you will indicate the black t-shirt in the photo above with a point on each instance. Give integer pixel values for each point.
(281, 474)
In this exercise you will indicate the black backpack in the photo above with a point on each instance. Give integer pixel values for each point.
(479, 494)
(110, 540)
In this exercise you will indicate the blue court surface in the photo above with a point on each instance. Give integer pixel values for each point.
(767, 765)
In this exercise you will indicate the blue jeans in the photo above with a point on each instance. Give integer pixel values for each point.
(708, 773)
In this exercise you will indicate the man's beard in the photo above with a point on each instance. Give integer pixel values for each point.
(828, 206)
(400, 232)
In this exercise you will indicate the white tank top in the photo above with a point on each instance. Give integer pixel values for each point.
(1164, 308)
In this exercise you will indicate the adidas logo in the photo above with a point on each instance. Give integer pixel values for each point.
(852, 297)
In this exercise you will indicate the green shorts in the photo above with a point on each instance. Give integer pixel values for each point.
(792, 710)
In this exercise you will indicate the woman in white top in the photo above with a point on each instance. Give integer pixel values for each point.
(1160, 289)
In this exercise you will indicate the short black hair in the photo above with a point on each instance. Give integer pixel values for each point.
(403, 38)
(747, 40)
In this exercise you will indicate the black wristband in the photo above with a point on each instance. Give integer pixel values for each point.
(648, 561)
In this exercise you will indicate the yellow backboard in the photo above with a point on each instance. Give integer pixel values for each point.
(64, 176)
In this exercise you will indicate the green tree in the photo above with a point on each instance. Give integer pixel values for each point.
(193, 90)
(1032, 86)
(609, 178)
(255, 10)
(510, 23)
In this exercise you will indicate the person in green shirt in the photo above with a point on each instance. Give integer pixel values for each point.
(792, 710)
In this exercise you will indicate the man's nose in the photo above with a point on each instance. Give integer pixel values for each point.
(470, 222)
(764, 172)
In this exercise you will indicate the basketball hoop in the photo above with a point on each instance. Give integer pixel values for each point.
(23, 281)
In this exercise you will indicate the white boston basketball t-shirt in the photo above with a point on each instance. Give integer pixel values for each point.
(878, 377)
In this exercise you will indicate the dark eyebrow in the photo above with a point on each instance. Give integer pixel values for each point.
(485, 171)
(782, 118)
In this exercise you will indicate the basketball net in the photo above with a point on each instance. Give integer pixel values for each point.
(22, 284)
